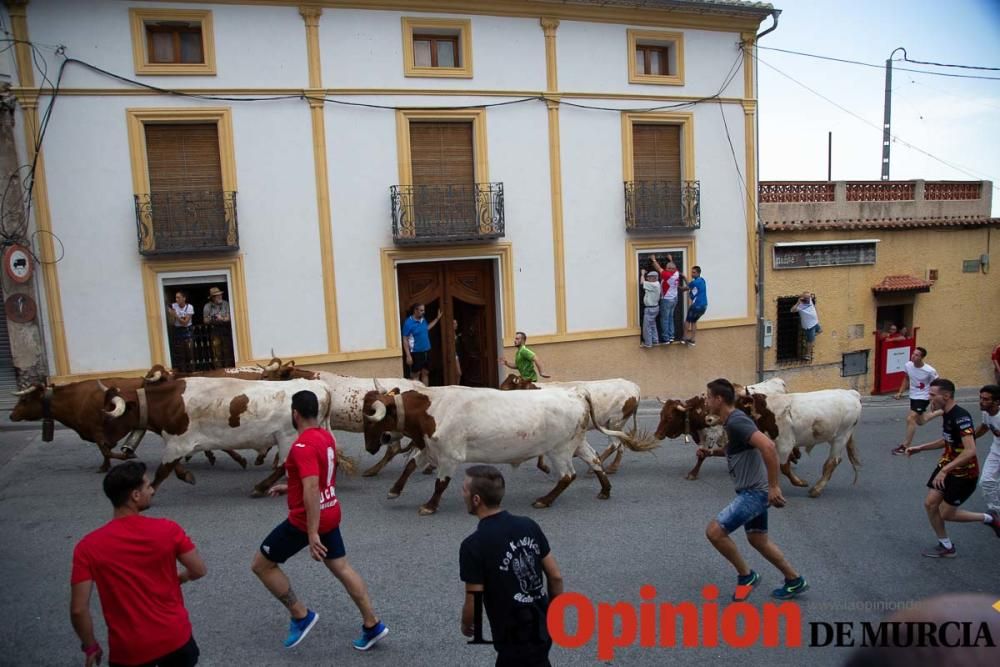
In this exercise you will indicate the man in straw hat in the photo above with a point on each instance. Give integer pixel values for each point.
(216, 315)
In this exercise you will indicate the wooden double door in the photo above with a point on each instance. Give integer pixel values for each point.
(463, 292)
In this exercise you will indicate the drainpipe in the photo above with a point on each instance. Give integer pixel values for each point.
(760, 223)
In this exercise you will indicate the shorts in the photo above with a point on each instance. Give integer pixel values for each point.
(286, 540)
(185, 656)
(182, 333)
(421, 361)
(811, 332)
(919, 405)
(956, 489)
(694, 314)
(748, 509)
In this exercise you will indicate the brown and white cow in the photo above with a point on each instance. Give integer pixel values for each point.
(347, 395)
(615, 402)
(201, 414)
(454, 425)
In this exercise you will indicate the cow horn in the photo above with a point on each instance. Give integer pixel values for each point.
(682, 407)
(100, 385)
(662, 402)
(119, 408)
(378, 387)
(379, 414)
(25, 392)
(273, 366)
(155, 376)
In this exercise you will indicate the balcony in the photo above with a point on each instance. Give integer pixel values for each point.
(447, 213)
(662, 206)
(186, 222)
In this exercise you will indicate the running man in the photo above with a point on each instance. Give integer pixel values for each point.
(954, 478)
(313, 521)
(526, 362)
(753, 465)
(919, 376)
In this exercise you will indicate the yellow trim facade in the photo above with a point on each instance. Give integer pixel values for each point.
(476, 116)
(155, 315)
(317, 115)
(390, 257)
(139, 16)
(673, 40)
(462, 28)
(686, 122)
(549, 27)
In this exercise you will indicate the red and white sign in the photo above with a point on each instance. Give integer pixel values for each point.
(17, 263)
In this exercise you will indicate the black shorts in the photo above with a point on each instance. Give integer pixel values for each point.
(185, 656)
(956, 489)
(286, 540)
(919, 405)
(694, 314)
(421, 361)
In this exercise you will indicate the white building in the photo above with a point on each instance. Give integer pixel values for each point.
(469, 155)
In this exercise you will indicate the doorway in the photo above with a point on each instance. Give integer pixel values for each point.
(208, 342)
(464, 343)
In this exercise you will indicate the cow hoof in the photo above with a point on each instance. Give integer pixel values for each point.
(429, 470)
(814, 492)
(540, 505)
(188, 478)
(799, 482)
(257, 493)
(426, 510)
(544, 469)
(243, 464)
(691, 477)
(392, 495)
(603, 495)
(611, 471)
(369, 473)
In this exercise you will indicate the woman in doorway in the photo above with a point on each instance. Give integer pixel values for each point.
(181, 316)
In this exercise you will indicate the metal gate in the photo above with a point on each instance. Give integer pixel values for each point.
(8, 377)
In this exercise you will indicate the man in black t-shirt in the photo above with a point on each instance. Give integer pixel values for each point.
(503, 562)
(954, 478)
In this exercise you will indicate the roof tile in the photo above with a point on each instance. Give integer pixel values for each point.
(880, 223)
(902, 283)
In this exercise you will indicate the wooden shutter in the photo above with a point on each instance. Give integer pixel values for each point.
(183, 157)
(442, 153)
(656, 153)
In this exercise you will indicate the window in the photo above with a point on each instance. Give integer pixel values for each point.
(661, 193)
(437, 47)
(656, 57)
(205, 344)
(168, 41)
(637, 255)
(791, 344)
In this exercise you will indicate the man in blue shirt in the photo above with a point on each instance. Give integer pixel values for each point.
(417, 343)
(699, 303)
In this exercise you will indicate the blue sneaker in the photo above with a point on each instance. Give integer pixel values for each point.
(298, 629)
(745, 585)
(791, 588)
(370, 636)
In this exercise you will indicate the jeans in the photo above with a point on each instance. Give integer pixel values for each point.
(649, 336)
(667, 307)
(748, 509)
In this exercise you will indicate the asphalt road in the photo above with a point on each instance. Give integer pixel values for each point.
(858, 545)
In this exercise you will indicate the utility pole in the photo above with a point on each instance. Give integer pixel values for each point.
(829, 156)
(886, 133)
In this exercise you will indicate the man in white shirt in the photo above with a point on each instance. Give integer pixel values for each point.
(809, 319)
(989, 479)
(919, 376)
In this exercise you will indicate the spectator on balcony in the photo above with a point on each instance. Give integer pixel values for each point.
(904, 332)
(670, 279)
(651, 308)
(181, 316)
(417, 343)
(809, 319)
(216, 315)
(698, 293)
(892, 333)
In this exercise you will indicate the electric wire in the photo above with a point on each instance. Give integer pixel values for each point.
(882, 67)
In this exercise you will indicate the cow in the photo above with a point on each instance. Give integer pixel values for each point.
(347, 406)
(768, 387)
(200, 414)
(615, 402)
(453, 425)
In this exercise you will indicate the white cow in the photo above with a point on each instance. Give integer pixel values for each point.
(768, 387)
(346, 400)
(456, 425)
(811, 418)
(200, 414)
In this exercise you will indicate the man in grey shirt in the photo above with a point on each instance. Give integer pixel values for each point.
(753, 465)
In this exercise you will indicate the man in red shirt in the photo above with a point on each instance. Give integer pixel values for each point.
(313, 521)
(132, 559)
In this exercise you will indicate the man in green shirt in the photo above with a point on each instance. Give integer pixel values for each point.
(525, 361)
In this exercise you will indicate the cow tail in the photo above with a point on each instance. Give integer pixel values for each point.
(637, 442)
(852, 456)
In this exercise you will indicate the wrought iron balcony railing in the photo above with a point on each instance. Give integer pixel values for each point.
(184, 222)
(658, 206)
(447, 213)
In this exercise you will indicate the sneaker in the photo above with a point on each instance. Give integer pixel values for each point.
(940, 552)
(791, 589)
(298, 629)
(996, 522)
(689, 341)
(669, 341)
(745, 586)
(900, 450)
(370, 636)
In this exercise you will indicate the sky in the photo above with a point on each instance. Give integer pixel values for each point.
(957, 121)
